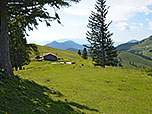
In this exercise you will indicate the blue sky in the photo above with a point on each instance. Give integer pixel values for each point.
(132, 19)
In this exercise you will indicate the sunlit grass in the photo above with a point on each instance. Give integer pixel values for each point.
(109, 90)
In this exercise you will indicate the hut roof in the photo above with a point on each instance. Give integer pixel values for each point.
(45, 54)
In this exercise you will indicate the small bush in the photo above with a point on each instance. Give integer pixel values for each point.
(149, 72)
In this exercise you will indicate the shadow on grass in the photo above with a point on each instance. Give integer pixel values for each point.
(82, 106)
(20, 96)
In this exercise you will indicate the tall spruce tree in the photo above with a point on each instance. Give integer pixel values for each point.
(98, 35)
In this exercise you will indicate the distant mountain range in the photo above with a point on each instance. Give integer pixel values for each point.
(133, 54)
(73, 46)
(133, 41)
(67, 45)
(136, 54)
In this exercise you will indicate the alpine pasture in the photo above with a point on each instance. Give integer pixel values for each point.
(89, 89)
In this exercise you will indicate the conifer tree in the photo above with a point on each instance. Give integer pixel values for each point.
(79, 52)
(20, 52)
(99, 36)
(85, 54)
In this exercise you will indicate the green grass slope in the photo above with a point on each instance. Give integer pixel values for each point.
(65, 54)
(94, 90)
(21, 96)
(60, 53)
(78, 89)
(129, 60)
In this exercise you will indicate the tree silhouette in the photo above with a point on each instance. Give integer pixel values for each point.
(84, 54)
(79, 52)
(99, 36)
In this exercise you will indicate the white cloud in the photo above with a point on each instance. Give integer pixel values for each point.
(83, 8)
(79, 24)
(147, 20)
(125, 26)
(122, 26)
(141, 24)
(122, 10)
(133, 23)
(150, 24)
(146, 10)
(78, 11)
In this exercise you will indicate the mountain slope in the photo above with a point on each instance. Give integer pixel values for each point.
(129, 60)
(64, 45)
(125, 47)
(142, 51)
(72, 49)
(143, 48)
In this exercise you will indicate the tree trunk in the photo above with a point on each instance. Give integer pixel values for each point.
(5, 62)
(103, 53)
(103, 58)
(16, 68)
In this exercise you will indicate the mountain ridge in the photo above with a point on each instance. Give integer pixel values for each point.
(65, 45)
(133, 41)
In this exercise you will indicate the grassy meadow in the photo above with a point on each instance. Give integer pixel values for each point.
(91, 90)
(53, 88)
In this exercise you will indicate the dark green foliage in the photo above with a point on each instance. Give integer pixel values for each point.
(84, 54)
(111, 54)
(79, 52)
(149, 71)
(20, 52)
(19, 49)
(23, 15)
(101, 49)
(37, 57)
